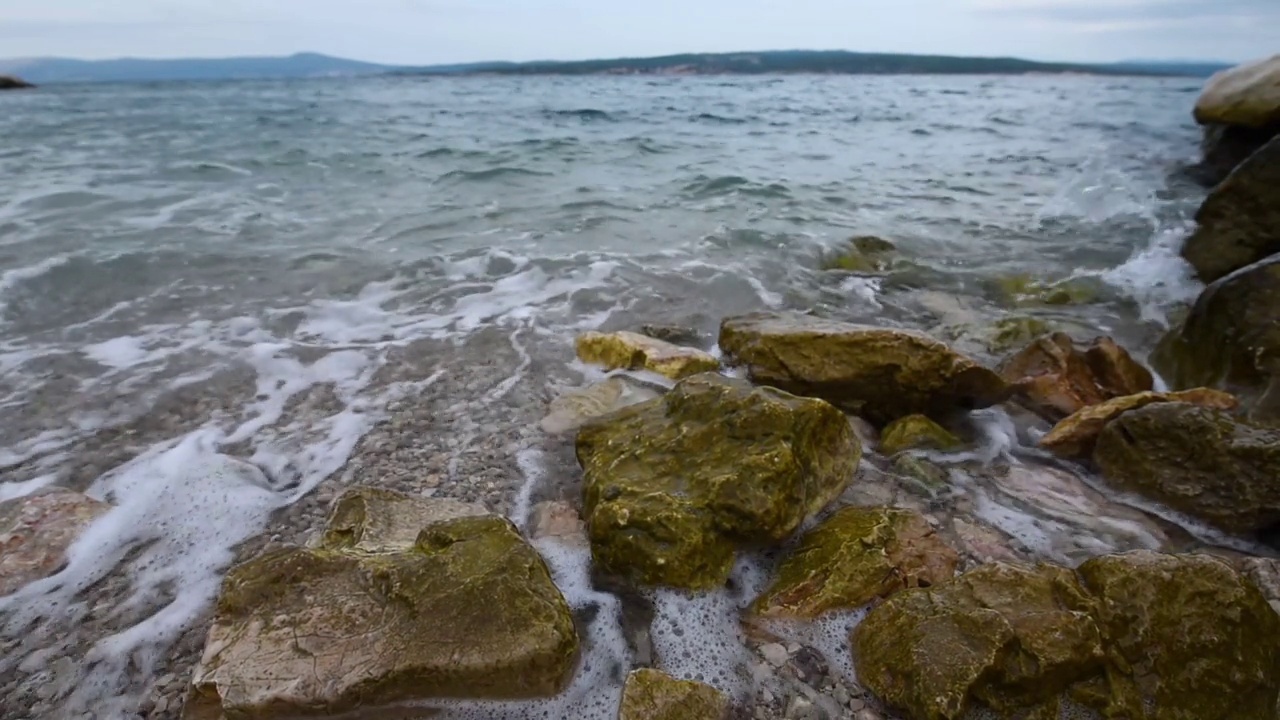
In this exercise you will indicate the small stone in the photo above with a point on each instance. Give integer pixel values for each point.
(856, 704)
(801, 708)
(840, 694)
(776, 654)
(916, 432)
(558, 521)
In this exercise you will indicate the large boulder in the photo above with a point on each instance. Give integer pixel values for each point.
(36, 530)
(877, 373)
(654, 695)
(468, 610)
(1231, 340)
(673, 485)
(632, 351)
(1240, 109)
(1239, 223)
(1056, 379)
(1076, 435)
(1141, 635)
(854, 557)
(1198, 461)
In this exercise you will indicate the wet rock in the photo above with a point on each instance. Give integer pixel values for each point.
(369, 519)
(558, 521)
(916, 432)
(673, 485)
(633, 351)
(1230, 340)
(674, 334)
(1224, 147)
(36, 530)
(1076, 435)
(654, 695)
(983, 543)
(863, 254)
(1025, 290)
(1058, 379)
(1139, 635)
(1240, 109)
(9, 82)
(467, 611)
(571, 410)
(1239, 223)
(923, 475)
(854, 557)
(878, 373)
(1198, 461)
(1010, 332)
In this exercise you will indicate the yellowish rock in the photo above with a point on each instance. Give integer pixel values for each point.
(1247, 95)
(1075, 436)
(654, 695)
(916, 432)
(632, 351)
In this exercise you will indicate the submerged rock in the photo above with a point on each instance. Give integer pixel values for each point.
(864, 254)
(1026, 290)
(854, 557)
(1239, 223)
(1057, 379)
(1198, 461)
(36, 530)
(674, 334)
(1011, 332)
(673, 485)
(467, 611)
(1140, 635)
(369, 519)
(877, 373)
(633, 351)
(560, 522)
(654, 695)
(916, 432)
(1076, 435)
(571, 410)
(1231, 340)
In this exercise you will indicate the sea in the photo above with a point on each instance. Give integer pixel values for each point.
(182, 263)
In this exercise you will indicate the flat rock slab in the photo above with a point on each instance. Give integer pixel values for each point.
(632, 351)
(36, 530)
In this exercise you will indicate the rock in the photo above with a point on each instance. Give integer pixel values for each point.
(37, 529)
(927, 477)
(674, 334)
(864, 254)
(1230, 340)
(9, 82)
(633, 351)
(1139, 635)
(1247, 95)
(1025, 290)
(983, 543)
(673, 485)
(775, 654)
(1011, 332)
(468, 611)
(1224, 147)
(1239, 223)
(369, 519)
(1198, 461)
(571, 410)
(1057, 379)
(916, 432)
(558, 521)
(1076, 435)
(854, 557)
(654, 695)
(877, 373)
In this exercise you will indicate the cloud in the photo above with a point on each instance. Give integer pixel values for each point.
(1087, 12)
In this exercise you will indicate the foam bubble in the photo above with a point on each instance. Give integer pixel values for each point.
(699, 637)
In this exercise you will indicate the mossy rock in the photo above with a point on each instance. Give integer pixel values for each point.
(674, 485)
(1230, 340)
(1239, 223)
(632, 351)
(468, 611)
(654, 695)
(921, 475)
(879, 374)
(1076, 435)
(1198, 461)
(916, 432)
(856, 556)
(1142, 636)
(1027, 290)
(864, 254)
(1010, 332)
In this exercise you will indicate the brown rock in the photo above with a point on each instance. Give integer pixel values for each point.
(36, 530)
(1239, 223)
(1057, 379)
(558, 521)
(1076, 435)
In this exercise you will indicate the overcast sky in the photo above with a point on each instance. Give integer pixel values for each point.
(439, 31)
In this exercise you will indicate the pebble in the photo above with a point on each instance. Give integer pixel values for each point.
(801, 709)
(775, 653)
(841, 695)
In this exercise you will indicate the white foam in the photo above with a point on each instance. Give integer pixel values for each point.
(533, 468)
(1157, 277)
(12, 490)
(10, 279)
(118, 353)
(864, 289)
(699, 637)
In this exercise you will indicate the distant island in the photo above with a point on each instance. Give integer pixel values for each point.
(313, 65)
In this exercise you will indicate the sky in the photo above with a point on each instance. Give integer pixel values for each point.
(418, 32)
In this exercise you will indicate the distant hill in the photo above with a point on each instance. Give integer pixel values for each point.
(306, 65)
(60, 70)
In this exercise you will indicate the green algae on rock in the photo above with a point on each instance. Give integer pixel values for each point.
(674, 485)
(1196, 460)
(1142, 636)
(654, 695)
(1230, 340)
(1076, 435)
(916, 432)
(468, 611)
(880, 374)
(632, 351)
(854, 557)
(1239, 223)
(1016, 330)
(864, 254)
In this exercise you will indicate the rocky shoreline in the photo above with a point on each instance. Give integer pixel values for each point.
(806, 474)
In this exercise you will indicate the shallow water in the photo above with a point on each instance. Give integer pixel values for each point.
(190, 271)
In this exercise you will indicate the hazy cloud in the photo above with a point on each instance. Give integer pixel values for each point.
(431, 31)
